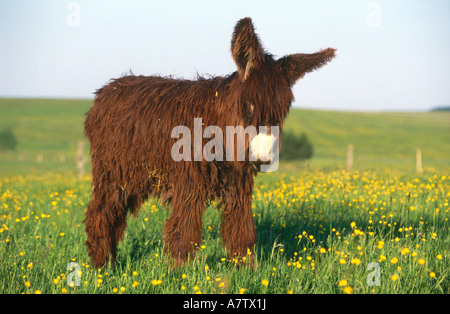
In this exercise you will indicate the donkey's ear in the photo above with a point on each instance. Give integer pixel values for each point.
(246, 48)
(295, 66)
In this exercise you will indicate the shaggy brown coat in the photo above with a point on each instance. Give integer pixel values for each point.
(129, 128)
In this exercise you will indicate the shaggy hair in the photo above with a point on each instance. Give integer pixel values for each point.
(129, 129)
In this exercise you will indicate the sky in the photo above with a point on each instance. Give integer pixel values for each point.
(393, 55)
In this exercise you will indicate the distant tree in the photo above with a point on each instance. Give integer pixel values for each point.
(8, 140)
(443, 108)
(294, 147)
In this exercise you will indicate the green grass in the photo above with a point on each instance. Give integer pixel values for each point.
(50, 128)
(315, 229)
(318, 226)
(381, 140)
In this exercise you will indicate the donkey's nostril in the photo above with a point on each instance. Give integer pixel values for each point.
(262, 147)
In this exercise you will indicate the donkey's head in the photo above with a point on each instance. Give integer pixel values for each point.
(262, 84)
(266, 83)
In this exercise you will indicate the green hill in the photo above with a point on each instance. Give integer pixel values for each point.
(379, 139)
(47, 132)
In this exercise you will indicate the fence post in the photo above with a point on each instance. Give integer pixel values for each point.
(349, 162)
(419, 168)
(80, 159)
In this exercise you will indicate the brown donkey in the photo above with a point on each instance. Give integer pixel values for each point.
(132, 129)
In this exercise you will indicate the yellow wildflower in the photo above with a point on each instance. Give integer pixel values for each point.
(156, 282)
(342, 283)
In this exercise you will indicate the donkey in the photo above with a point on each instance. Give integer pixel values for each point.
(131, 126)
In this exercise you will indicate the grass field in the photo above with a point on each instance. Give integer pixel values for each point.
(320, 228)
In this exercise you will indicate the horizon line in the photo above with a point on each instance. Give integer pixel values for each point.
(294, 106)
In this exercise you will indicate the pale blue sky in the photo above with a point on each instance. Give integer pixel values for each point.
(392, 54)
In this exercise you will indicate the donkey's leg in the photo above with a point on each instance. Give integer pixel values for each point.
(183, 229)
(105, 221)
(238, 228)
